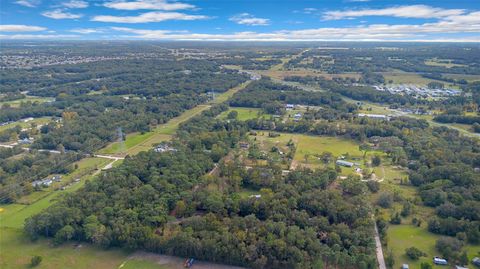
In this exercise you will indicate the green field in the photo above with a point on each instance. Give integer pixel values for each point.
(443, 62)
(244, 113)
(407, 78)
(37, 121)
(144, 264)
(33, 99)
(308, 146)
(404, 236)
(17, 250)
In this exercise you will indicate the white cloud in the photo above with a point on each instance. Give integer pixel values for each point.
(75, 4)
(149, 17)
(412, 11)
(148, 4)
(39, 36)
(462, 24)
(20, 28)
(86, 30)
(28, 3)
(60, 14)
(248, 19)
(310, 10)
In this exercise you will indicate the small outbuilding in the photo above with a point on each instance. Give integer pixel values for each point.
(344, 163)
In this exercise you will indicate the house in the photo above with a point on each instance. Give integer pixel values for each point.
(256, 196)
(290, 106)
(439, 261)
(42, 183)
(243, 145)
(344, 163)
(164, 148)
(297, 116)
(404, 266)
(373, 116)
(25, 141)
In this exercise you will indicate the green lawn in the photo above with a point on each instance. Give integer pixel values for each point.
(309, 145)
(404, 236)
(16, 103)
(400, 77)
(37, 121)
(16, 251)
(244, 113)
(141, 264)
(443, 62)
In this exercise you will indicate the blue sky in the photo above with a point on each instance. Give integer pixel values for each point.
(259, 20)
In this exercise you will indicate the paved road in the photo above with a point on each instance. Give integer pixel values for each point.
(378, 244)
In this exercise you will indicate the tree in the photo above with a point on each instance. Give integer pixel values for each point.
(435, 85)
(414, 253)
(449, 246)
(64, 234)
(232, 115)
(385, 200)
(326, 157)
(376, 160)
(395, 218)
(35, 261)
(389, 259)
(352, 185)
(373, 186)
(406, 209)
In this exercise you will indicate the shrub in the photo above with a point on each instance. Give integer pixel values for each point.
(414, 253)
(35, 261)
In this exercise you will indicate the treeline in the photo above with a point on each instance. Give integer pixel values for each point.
(449, 118)
(166, 202)
(375, 59)
(90, 122)
(360, 93)
(144, 77)
(273, 97)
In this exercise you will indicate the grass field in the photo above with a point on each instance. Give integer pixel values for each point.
(16, 103)
(37, 121)
(469, 78)
(281, 74)
(144, 264)
(443, 62)
(17, 250)
(407, 78)
(244, 113)
(308, 146)
(404, 236)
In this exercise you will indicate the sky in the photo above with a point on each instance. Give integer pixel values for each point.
(242, 20)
